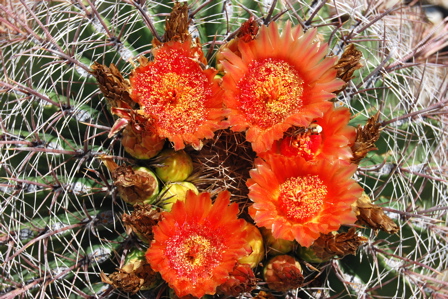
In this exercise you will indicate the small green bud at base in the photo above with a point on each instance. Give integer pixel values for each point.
(309, 255)
(275, 246)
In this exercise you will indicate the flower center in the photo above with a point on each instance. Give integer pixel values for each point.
(174, 91)
(301, 198)
(194, 252)
(270, 91)
(195, 249)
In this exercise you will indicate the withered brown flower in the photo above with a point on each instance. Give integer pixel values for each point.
(329, 245)
(112, 84)
(134, 185)
(134, 276)
(141, 221)
(348, 64)
(365, 138)
(176, 25)
(373, 216)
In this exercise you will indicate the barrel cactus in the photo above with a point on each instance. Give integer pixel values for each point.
(84, 188)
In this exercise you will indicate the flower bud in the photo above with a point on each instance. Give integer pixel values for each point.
(241, 280)
(177, 166)
(275, 246)
(175, 191)
(141, 144)
(309, 255)
(283, 273)
(255, 241)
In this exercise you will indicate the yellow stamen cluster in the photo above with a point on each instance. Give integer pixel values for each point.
(270, 91)
(301, 198)
(191, 251)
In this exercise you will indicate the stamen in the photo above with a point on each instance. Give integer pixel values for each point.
(301, 198)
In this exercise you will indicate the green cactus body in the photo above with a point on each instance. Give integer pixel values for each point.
(60, 213)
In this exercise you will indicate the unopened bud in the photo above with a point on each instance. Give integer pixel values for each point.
(255, 240)
(175, 191)
(275, 246)
(176, 166)
(241, 280)
(141, 144)
(283, 273)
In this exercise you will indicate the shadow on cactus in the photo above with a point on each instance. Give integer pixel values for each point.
(251, 149)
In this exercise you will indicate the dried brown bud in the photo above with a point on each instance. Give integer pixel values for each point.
(128, 282)
(329, 245)
(283, 273)
(366, 138)
(112, 84)
(141, 221)
(241, 280)
(176, 25)
(135, 185)
(373, 216)
(348, 64)
(264, 295)
(135, 275)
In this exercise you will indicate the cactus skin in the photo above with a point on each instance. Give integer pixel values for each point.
(60, 214)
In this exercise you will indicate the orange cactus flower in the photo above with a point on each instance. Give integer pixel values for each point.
(198, 243)
(277, 81)
(180, 98)
(328, 137)
(300, 200)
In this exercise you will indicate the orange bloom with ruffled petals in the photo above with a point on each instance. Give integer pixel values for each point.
(277, 81)
(329, 138)
(197, 244)
(182, 101)
(300, 200)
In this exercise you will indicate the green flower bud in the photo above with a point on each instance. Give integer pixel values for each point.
(177, 166)
(175, 191)
(309, 255)
(275, 246)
